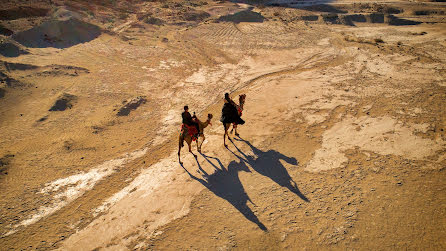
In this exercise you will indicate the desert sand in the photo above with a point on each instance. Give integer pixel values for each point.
(344, 145)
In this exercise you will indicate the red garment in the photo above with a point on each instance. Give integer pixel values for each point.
(191, 130)
(239, 109)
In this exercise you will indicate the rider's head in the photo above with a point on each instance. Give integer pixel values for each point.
(186, 108)
(227, 96)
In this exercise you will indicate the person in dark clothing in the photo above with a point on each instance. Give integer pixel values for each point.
(229, 100)
(229, 113)
(188, 119)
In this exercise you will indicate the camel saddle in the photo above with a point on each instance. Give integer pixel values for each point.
(191, 130)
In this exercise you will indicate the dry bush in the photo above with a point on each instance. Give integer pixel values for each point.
(153, 20)
(378, 40)
(349, 38)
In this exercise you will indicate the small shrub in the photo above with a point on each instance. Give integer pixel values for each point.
(154, 21)
(379, 40)
(123, 16)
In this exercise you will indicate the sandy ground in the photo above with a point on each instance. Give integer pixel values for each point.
(344, 145)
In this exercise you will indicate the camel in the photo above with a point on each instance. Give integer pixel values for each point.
(185, 136)
(239, 107)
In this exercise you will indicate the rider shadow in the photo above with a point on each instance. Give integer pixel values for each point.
(268, 164)
(226, 184)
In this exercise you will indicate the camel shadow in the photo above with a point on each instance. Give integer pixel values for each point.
(268, 164)
(225, 183)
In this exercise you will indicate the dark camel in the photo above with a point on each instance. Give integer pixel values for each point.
(239, 107)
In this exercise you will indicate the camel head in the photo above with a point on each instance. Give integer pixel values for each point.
(210, 116)
(241, 99)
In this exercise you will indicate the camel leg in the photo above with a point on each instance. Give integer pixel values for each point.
(226, 134)
(199, 144)
(180, 145)
(190, 149)
(235, 129)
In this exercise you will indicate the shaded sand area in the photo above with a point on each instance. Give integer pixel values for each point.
(344, 145)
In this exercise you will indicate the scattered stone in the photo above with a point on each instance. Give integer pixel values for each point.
(97, 129)
(11, 49)
(6, 32)
(68, 145)
(131, 105)
(243, 16)
(376, 169)
(196, 16)
(154, 21)
(63, 102)
(283, 237)
(43, 119)
(7, 81)
(4, 163)
(60, 70)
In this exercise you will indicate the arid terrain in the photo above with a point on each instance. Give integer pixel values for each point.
(344, 145)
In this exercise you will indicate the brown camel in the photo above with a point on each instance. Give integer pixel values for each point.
(185, 136)
(241, 99)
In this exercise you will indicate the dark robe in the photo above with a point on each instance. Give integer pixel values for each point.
(187, 118)
(229, 114)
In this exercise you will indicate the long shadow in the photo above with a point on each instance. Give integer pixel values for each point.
(396, 21)
(268, 164)
(327, 13)
(58, 34)
(243, 16)
(250, 16)
(309, 5)
(226, 184)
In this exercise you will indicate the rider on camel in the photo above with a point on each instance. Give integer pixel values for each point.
(190, 120)
(230, 113)
(229, 100)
